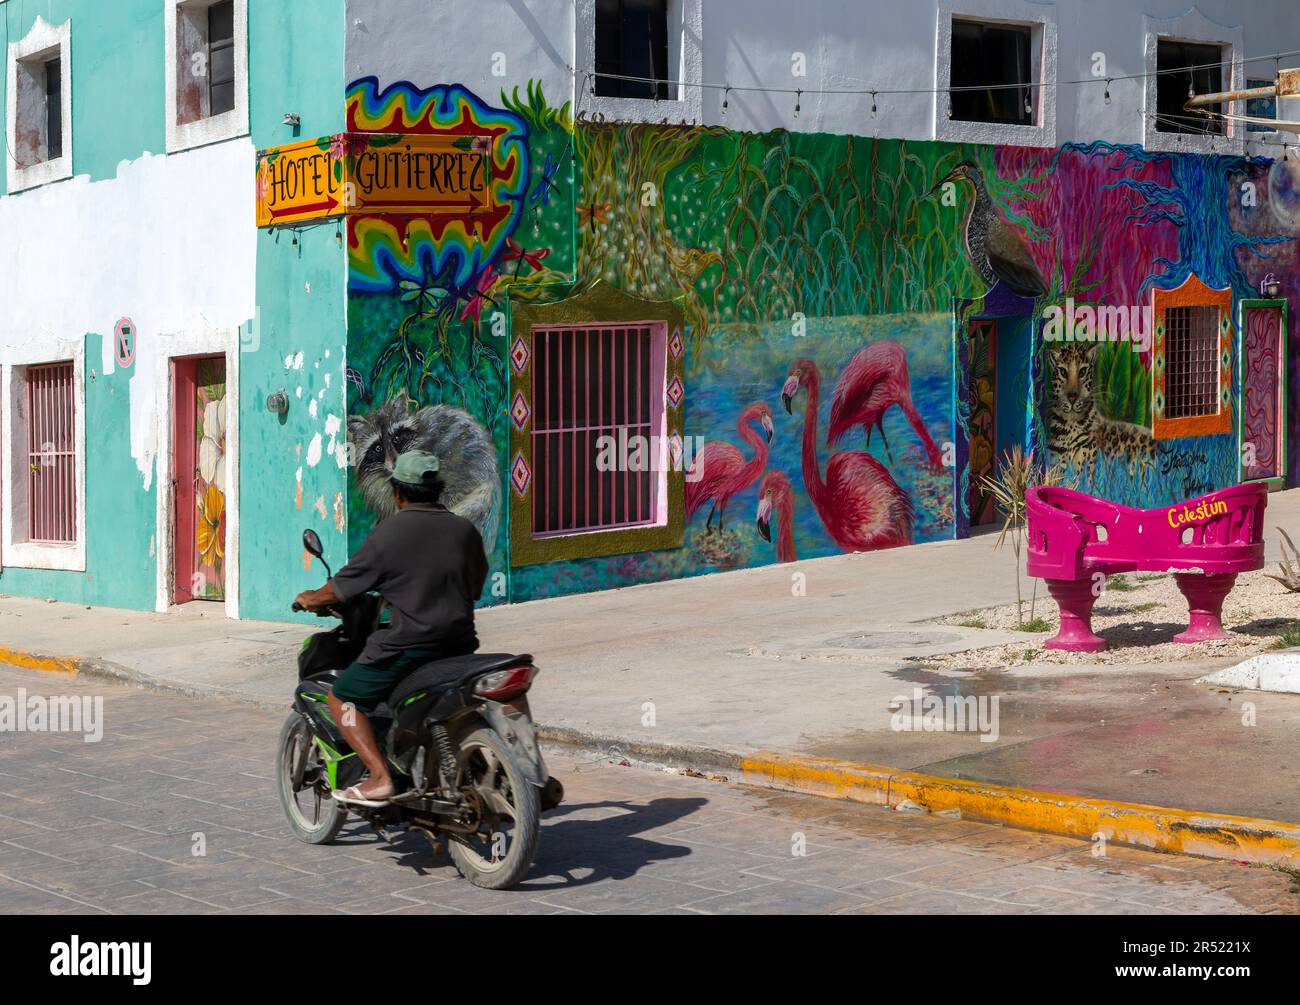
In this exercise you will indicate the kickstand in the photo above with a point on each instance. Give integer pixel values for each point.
(378, 829)
(434, 844)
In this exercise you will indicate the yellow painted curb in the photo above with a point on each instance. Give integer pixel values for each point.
(1158, 828)
(31, 661)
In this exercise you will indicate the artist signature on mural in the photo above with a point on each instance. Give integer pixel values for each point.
(1181, 465)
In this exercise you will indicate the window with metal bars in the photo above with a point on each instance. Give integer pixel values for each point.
(221, 57)
(51, 454)
(591, 382)
(1191, 361)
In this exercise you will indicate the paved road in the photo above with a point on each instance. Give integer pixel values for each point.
(111, 827)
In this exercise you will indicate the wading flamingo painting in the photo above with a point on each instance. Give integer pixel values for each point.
(775, 494)
(719, 470)
(859, 502)
(876, 380)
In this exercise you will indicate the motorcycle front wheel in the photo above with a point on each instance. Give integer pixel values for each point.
(313, 815)
(501, 852)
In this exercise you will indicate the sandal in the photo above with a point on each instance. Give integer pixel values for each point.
(351, 796)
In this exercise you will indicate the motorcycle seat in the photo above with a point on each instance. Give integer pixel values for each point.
(454, 670)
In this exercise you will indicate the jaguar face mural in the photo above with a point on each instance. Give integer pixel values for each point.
(847, 327)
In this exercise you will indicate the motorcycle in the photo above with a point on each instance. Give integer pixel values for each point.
(459, 738)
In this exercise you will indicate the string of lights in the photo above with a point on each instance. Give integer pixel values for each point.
(591, 75)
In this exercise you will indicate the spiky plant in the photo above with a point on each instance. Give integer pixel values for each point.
(1289, 566)
(1016, 473)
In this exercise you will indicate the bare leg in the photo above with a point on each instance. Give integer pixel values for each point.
(356, 729)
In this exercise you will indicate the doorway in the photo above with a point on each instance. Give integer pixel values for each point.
(1263, 391)
(199, 478)
(999, 402)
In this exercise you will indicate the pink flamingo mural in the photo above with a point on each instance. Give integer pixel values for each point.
(859, 502)
(875, 380)
(719, 470)
(775, 494)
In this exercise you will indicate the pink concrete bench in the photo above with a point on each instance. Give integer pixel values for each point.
(1205, 542)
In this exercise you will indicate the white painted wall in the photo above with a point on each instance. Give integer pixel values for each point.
(170, 242)
(885, 44)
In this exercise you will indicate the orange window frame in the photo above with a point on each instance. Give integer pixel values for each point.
(1192, 293)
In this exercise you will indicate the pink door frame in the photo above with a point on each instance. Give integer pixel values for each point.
(185, 468)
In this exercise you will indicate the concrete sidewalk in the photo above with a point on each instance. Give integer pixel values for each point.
(800, 659)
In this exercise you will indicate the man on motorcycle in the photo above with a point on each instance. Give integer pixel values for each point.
(429, 565)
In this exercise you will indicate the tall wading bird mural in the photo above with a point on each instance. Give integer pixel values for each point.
(994, 248)
(776, 494)
(859, 502)
(875, 380)
(720, 471)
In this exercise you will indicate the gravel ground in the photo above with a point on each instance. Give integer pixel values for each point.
(1138, 615)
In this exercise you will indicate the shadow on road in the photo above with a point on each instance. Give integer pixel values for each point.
(572, 851)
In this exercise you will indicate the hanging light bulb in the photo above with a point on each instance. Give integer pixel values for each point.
(798, 97)
(1029, 108)
(725, 100)
(873, 104)
(1108, 91)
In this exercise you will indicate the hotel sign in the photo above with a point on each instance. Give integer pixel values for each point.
(366, 173)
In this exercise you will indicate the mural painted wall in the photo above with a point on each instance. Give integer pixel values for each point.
(828, 285)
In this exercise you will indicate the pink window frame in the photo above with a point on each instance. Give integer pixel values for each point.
(658, 516)
(50, 399)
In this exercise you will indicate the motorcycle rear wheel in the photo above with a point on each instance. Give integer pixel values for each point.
(485, 763)
(318, 818)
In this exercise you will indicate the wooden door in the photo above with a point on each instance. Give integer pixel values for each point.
(1263, 394)
(199, 478)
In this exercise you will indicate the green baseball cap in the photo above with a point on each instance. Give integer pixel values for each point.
(415, 467)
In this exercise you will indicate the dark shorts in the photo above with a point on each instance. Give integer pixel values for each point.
(365, 685)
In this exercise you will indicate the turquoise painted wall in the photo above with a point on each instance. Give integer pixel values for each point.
(117, 50)
(296, 65)
(119, 544)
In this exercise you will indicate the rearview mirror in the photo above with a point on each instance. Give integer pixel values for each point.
(311, 541)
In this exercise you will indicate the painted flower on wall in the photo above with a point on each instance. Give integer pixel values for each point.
(210, 533)
(212, 447)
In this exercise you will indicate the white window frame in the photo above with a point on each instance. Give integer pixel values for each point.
(1043, 51)
(211, 128)
(20, 553)
(1194, 26)
(198, 339)
(685, 68)
(44, 41)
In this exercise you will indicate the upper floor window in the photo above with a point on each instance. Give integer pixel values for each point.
(992, 72)
(207, 83)
(632, 42)
(1189, 54)
(221, 57)
(39, 126)
(995, 72)
(1261, 108)
(1182, 70)
(641, 60)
